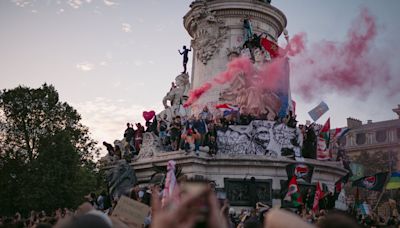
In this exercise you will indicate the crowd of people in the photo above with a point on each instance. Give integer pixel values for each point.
(200, 209)
(199, 133)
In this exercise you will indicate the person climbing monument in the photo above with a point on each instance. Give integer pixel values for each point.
(185, 53)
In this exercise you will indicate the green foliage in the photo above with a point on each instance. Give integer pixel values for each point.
(377, 162)
(46, 154)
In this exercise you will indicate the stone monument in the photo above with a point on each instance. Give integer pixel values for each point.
(249, 165)
(217, 29)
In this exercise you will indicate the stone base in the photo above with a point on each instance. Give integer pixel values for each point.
(234, 170)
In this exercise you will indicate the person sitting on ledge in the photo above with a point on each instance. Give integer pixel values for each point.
(191, 139)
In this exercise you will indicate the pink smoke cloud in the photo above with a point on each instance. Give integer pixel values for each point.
(350, 67)
(195, 94)
(236, 66)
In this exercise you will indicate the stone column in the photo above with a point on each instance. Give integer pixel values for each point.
(216, 27)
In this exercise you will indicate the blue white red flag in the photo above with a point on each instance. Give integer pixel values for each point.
(318, 111)
(227, 109)
(283, 88)
(340, 132)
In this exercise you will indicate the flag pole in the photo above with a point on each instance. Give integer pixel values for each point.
(383, 191)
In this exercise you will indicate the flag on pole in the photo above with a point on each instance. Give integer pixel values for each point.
(293, 195)
(340, 132)
(317, 197)
(318, 111)
(323, 142)
(171, 191)
(375, 182)
(339, 185)
(301, 171)
(394, 181)
(271, 47)
(227, 109)
(283, 87)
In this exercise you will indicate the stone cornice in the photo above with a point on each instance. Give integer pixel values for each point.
(261, 16)
(375, 146)
(236, 161)
(224, 8)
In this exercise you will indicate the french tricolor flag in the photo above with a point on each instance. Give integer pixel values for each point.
(227, 109)
(339, 132)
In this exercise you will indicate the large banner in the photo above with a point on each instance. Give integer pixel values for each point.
(260, 137)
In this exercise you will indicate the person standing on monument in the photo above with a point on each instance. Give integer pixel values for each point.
(185, 54)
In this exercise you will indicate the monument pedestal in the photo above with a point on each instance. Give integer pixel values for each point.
(232, 173)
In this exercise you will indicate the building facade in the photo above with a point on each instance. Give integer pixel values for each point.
(381, 137)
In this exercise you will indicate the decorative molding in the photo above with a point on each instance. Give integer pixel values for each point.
(150, 146)
(209, 32)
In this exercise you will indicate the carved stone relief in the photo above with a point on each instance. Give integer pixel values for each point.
(209, 33)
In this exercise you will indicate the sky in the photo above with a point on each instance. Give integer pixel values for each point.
(114, 59)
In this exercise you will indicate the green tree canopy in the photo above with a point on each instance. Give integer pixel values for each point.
(46, 154)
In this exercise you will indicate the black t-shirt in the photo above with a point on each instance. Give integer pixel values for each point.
(163, 125)
(129, 133)
(176, 129)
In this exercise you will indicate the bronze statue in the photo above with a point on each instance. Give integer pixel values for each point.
(185, 53)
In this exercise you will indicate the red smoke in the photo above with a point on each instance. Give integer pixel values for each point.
(342, 67)
(195, 94)
(236, 66)
(348, 67)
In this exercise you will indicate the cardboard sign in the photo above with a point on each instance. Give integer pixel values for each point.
(131, 210)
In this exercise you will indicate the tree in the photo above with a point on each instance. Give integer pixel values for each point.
(46, 154)
(378, 161)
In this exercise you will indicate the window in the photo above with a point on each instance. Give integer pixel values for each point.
(380, 136)
(398, 133)
(361, 138)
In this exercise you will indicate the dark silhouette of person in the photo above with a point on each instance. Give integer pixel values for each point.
(185, 53)
(253, 192)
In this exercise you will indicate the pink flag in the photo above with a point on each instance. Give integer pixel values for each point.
(171, 190)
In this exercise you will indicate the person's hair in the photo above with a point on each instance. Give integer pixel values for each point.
(43, 225)
(93, 195)
(337, 219)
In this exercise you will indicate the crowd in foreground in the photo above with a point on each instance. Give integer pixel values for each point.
(192, 209)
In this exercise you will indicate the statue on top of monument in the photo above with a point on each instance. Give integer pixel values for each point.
(248, 29)
(185, 54)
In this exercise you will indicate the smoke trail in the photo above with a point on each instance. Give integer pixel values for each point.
(236, 66)
(348, 67)
(342, 67)
(195, 94)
